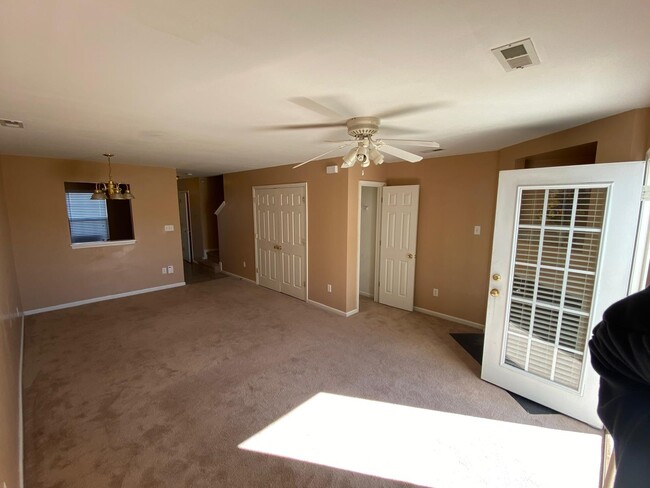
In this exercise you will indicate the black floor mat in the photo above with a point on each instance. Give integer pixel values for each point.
(473, 344)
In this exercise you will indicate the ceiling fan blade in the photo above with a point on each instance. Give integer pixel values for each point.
(408, 109)
(413, 142)
(303, 126)
(400, 153)
(314, 106)
(325, 153)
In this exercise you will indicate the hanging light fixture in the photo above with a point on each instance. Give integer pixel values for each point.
(111, 190)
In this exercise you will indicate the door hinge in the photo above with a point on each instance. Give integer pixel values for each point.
(304, 200)
(645, 194)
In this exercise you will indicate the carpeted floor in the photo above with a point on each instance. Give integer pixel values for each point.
(158, 390)
(473, 343)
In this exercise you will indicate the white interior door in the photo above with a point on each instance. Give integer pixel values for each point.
(267, 234)
(399, 225)
(293, 241)
(562, 253)
(281, 238)
(186, 233)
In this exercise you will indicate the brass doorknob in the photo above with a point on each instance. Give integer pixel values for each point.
(410, 255)
(494, 292)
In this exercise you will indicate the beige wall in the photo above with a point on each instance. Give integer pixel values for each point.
(10, 334)
(327, 226)
(49, 271)
(622, 137)
(456, 193)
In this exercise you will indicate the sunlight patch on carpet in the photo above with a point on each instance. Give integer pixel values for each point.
(427, 447)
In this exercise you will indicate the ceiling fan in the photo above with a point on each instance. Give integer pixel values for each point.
(366, 148)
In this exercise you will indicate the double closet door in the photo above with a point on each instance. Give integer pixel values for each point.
(281, 238)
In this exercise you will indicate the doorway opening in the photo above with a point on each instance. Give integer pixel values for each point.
(368, 249)
(186, 226)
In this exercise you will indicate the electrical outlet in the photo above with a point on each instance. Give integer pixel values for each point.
(164, 270)
(435, 292)
(329, 288)
(244, 263)
(477, 230)
(170, 269)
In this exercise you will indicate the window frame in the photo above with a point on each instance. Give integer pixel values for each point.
(127, 228)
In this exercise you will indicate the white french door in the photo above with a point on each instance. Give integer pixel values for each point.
(563, 250)
(281, 238)
(397, 246)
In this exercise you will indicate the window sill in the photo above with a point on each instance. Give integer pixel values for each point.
(82, 245)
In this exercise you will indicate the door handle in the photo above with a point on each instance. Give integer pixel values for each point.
(275, 246)
(494, 292)
(410, 255)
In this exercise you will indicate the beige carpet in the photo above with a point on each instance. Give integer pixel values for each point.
(158, 390)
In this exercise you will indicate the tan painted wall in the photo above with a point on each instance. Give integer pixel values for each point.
(620, 138)
(456, 193)
(49, 271)
(10, 332)
(327, 231)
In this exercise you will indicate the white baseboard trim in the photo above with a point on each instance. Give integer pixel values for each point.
(365, 294)
(451, 318)
(332, 309)
(21, 427)
(237, 276)
(104, 298)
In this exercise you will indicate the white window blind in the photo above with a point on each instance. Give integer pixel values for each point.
(557, 247)
(88, 218)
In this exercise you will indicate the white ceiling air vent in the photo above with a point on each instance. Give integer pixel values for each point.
(11, 124)
(517, 55)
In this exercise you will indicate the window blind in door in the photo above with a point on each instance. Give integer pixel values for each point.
(557, 246)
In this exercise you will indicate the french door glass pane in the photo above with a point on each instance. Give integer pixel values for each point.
(558, 237)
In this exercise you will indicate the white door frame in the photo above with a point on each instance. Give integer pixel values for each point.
(284, 185)
(379, 185)
(188, 217)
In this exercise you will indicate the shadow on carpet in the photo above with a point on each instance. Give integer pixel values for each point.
(473, 344)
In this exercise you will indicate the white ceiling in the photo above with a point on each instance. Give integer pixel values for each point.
(195, 84)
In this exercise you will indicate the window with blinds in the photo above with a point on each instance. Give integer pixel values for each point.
(96, 220)
(558, 237)
(88, 218)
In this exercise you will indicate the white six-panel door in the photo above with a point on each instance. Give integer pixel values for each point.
(397, 246)
(281, 238)
(293, 238)
(267, 235)
(562, 253)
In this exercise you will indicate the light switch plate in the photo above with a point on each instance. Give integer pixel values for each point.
(477, 230)
(169, 228)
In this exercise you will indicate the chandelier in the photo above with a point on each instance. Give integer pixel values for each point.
(111, 190)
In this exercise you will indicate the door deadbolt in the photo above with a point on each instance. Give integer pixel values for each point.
(494, 292)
